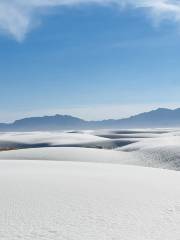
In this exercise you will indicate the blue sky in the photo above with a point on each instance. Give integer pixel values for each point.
(94, 61)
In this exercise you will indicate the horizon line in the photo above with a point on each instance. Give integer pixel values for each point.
(105, 119)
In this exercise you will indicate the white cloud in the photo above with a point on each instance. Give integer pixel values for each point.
(17, 17)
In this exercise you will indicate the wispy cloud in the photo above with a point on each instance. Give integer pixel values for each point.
(17, 17)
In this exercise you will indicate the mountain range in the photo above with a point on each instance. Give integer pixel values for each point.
(161, 117)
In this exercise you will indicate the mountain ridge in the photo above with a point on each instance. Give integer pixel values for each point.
(161, 117)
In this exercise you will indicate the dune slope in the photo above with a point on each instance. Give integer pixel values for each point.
(71, 200)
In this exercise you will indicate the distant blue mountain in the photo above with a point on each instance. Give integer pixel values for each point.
(44, 123)
(161, 117)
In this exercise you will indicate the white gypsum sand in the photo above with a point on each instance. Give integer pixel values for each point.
(53, 138)
(157, 148)
(162, 152)
(72, 194)
(74, 154)
(43, 200)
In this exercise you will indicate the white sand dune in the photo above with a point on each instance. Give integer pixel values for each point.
(53, 138)
(73, 154)
(158, 152)
(150, 148)
(69, 193)
(162, 152)
(88, 139)
(42, 200)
